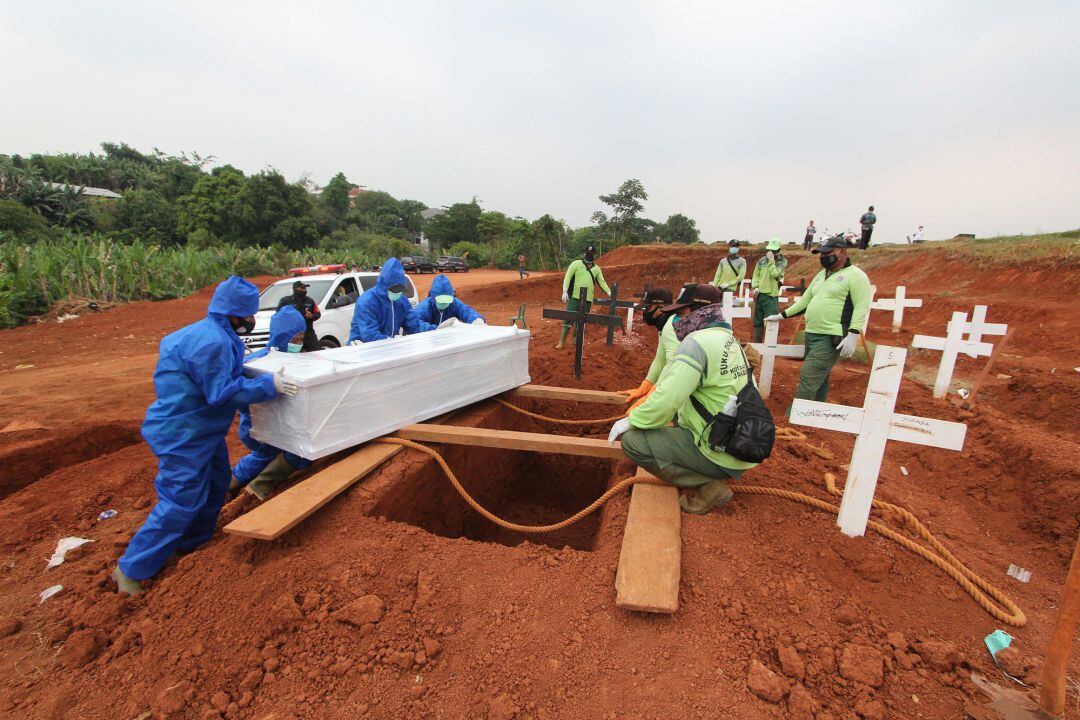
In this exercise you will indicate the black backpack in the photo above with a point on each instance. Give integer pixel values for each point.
(750, 433)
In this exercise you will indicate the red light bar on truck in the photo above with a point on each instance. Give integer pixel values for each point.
(317, 269)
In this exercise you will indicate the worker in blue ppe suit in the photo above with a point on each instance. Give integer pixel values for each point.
(441, 305)
(265, 466)
(199, 385)
(383, 310)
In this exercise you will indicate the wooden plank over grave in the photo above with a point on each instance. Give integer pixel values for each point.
(548, 392)
(512, 440)
(650, 561)
(286, 510)
(874, 424)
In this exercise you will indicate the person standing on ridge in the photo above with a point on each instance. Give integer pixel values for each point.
(836, 304)
(868, 220)
(307, 309)
(731, 271)
(768, 277)
(200, 384)
(584, 273)
(808, 240)
(522, 272)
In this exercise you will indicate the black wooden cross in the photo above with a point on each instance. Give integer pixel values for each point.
(614, 304)
(580, 318)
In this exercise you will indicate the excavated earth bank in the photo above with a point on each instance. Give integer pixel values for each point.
(395, 600)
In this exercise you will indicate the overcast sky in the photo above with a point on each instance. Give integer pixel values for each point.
(750, 117)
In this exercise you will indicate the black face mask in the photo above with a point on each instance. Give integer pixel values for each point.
(828, 261)
(656, 318)
(243, 327)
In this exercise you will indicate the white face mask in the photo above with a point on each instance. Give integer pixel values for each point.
(733, 251)
(394, 296)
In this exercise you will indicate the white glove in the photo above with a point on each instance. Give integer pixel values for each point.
(283, 386)
(449, 324)
(621, 425)
(479, 321)
(847, 345)
(565, 297)
(774, 318)
(354, 343)
(771, 256)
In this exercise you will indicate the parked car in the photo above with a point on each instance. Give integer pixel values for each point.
(334, 293)
(449, 263)
(417, 264)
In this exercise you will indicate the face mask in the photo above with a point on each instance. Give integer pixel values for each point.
(656, 319)
(394, 297)
(296, 347)
(443, 306)
(827, 261)
(245, 326)
(733, 251)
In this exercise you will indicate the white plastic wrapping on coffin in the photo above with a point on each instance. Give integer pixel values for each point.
(352, 394)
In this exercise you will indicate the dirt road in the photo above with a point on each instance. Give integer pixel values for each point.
(780, 615)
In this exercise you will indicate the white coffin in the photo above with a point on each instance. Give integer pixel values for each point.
(352, 394)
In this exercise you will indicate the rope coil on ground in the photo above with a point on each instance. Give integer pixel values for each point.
(985, 595)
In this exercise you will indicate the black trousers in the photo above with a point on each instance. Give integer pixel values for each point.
(311, 340)
(865, 241)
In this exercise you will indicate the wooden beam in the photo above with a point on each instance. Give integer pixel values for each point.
(651, 556)
(284, 511)
(549, 392)
(512, 440)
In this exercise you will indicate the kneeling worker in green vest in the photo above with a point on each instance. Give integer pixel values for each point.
(768, 277)
(709, 366)
(836, 304)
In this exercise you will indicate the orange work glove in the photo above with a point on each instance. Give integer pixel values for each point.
(640, 400)
(640, 391)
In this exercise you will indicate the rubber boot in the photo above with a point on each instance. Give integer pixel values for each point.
(759, 334)
(125, 584)
(715, 493)
(234, 486)
(562, 338)
(267, 481)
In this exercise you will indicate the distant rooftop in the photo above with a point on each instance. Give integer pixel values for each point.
(86, 190)
(431, 212)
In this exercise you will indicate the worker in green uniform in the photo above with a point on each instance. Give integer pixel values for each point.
(731, 271)
(652, 311)
(766, 282)
(836, 304)
(708, 366)
(584, 273)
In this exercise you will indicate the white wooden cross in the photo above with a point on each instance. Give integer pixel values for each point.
(769, 351)
(730, 311)
(952, 344)
(897, 305)
(980, 327)
(875, 424)
(781, 297)
(630, 320)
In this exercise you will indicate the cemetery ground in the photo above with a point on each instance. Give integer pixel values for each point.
(395, 600)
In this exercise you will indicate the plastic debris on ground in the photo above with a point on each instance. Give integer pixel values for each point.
(62, 547)
(904, 471)
(106, 514)
(65, 318)
(995, 643)
(1019, 573)
(963, 392)
(49, 592)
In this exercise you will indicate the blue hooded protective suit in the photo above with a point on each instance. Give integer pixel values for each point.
(285, 324)
(199, 385)
(430, 313)
(376, 317)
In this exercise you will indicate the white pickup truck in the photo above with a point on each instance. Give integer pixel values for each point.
(334, 293)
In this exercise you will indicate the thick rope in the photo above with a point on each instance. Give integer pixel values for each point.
(974, 585)
(558, 421)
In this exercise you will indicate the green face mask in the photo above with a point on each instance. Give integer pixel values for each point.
(394, 296)
(296, 347)
(442, 306)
